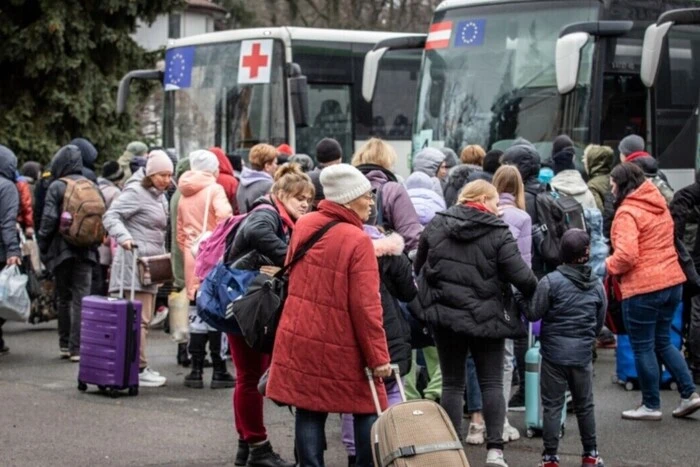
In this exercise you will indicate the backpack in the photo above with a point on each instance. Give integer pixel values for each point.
(556, 214)
(83, 208)
(664, 188)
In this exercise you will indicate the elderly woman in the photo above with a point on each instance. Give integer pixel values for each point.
(333, 310)
(139, 217)
(646, 262)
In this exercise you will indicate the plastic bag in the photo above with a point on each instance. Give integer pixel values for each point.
(14, 299)
(178, 306)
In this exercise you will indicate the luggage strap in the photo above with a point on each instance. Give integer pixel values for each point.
(410, 451)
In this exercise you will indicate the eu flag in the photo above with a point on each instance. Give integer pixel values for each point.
(470, 32)
(178, 68)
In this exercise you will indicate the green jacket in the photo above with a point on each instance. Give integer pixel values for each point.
(599, 162)
(177, 260)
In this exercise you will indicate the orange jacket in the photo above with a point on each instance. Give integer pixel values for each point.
(26, 213)
(645, 256)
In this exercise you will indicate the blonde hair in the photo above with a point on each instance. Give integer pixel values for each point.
(473, 154)
(261, 154)
(377, 152)
(507, 179)
(291, 181)
(475, 190)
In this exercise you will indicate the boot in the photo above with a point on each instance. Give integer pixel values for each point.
(183, 358)
(197, 348)
(263, 456)
(221, 378)
(352, 461)
(243, 453)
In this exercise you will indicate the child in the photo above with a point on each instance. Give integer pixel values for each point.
(571, 303)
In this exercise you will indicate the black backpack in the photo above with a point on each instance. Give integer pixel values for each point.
(556, 213)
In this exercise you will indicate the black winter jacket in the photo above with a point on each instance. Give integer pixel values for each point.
(571, 303)
(9, 206)
(261, 234)
(54, 249)
(456, 179)
(467, 260)
(685, 210)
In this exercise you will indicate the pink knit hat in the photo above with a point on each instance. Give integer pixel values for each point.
(158, 161)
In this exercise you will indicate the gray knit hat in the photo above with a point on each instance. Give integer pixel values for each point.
(343, 183)
(631, 144)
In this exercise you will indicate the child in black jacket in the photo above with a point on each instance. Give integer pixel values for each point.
(571, 303)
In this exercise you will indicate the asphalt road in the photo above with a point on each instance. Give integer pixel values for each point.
(45, 420)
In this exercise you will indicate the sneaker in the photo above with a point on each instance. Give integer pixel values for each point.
(549, 461)
(64, 353)
(688, 406)
(642, 413)
(592, 459)
(476, 433)
(149, 379)
(74, 357)
(517, 402)
(159, 317)
(494, 458)
(510, 433)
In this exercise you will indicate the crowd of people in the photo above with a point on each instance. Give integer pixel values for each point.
(445, 268)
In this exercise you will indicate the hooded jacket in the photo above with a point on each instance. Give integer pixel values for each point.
(9, 205)
(425, 195)
(428, 161)
(25, 217)
(226, 178)
(331, 326)
(54, 249)
(520, 225)
(253, 185)
(88, 153)
(399, 213)
(599, 162)
(141, 215)
(644, 253)
(686, 216)
(110, 190)
(571, 303)
(177, 260)
(457, 177)
(195, 187)
(467, 260)
(570, 183)
(527, 160)
(133, 149)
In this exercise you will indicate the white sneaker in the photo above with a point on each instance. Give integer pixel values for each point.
(642, 413)
(159, 317)
(494, 458)
(149, 379)
(510, 433)
(476, 433)
(688, 406)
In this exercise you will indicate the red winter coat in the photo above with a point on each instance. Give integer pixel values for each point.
(331, 326)
(226, 178)
(26, 213)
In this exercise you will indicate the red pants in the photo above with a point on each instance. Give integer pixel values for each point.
(247, 401)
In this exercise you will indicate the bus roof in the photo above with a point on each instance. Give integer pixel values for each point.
(293, 33)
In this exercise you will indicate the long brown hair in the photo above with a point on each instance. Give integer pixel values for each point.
(507, 179)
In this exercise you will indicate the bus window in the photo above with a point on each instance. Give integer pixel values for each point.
(330, 111)
(624, 108)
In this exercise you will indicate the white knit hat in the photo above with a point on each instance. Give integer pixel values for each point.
(204, 161)
(158, 161)
(343, 183)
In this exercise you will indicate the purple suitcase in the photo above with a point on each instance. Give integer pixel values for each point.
(110, 340)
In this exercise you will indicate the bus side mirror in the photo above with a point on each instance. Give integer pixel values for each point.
(651, 52)
(568, 59)
(370, 72)
(299, 96)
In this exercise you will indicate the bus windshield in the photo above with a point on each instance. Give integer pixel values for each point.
(488, 77)
(206, 106)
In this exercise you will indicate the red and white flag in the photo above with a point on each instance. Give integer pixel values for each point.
(439, 36)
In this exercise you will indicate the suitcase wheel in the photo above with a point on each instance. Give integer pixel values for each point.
(530, 433)
(82, 387)
(113, 393)
(134, 391)
(673, 386)
(101, 388)
(629, 386)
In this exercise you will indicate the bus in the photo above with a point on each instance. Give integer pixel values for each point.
(238, 88)
(496, 70)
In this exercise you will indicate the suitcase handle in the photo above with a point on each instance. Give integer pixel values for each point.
(373, 386)
(134, 247)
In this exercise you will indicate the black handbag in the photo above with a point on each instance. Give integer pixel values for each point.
(258, 312)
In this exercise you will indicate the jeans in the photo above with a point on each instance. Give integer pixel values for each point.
(488, 357)
(347, 430)
(310, 431)
(648, 319)
(73, 281)
(554, 380)
(473, 391)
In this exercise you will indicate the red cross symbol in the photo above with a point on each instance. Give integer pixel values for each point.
(255, 60)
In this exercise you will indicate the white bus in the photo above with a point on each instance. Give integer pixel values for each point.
(291, 85)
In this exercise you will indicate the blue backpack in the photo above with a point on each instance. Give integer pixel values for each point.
(219, 289)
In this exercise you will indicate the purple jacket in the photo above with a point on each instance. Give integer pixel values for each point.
(520, 225)
(398, 209)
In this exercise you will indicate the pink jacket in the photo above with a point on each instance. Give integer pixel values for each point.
(195, 186)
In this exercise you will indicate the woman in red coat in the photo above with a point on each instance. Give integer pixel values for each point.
(226, 178)
(331, 326)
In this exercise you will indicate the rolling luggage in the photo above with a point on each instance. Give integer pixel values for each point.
(533, 396)
(415, 433)
(110, 340)
(626, 371)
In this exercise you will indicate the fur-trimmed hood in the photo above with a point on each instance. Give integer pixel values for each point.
(389, 245)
